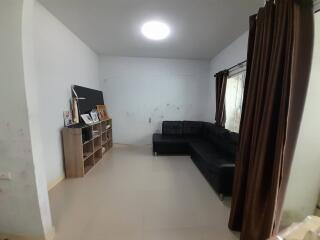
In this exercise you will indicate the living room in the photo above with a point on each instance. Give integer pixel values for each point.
(159, 119)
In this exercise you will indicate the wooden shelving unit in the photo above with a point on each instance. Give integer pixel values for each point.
(85, 146)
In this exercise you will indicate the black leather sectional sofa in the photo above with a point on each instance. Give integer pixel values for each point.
(212, 149)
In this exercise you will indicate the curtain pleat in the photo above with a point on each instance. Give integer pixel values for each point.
(270, 122)
(221, 85)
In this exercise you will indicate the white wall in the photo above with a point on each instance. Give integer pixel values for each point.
(235, 53)
(61, 61)
(304, 183)
(136, 89)
(24, 205)
(316, 5)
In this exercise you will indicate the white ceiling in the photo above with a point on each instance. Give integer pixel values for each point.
(200, 28)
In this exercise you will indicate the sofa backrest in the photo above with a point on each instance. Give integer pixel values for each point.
(192, 128)
(231, 147)
(206, 130)
(172, 128)
(222, 138)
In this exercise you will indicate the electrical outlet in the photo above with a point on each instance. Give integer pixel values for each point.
(5, 176)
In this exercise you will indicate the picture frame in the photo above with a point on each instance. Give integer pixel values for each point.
(94, 116)
(102, 112)
(87, 118)
(67, 117)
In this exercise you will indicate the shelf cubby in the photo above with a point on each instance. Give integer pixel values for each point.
(88, 164)
(86, 134)
(87, 150)
(96, 130)
(97, 144)
(106, 125)
(98, 155)
(109, 135)
(104, 138)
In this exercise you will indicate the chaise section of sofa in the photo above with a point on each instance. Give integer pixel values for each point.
(212, 149)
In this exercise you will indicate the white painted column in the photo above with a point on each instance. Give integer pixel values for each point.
(24, 205)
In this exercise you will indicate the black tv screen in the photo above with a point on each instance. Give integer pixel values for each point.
(92, 98)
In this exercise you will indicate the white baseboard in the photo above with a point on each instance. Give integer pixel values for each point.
(55, 182)
(51, 234)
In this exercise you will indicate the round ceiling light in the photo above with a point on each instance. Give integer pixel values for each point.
(155, 30)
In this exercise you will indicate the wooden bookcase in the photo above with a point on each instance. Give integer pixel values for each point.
(84, 146)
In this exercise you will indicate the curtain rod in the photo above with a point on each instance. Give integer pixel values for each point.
(237, 65)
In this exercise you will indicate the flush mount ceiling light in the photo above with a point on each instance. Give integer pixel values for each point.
(155, 30)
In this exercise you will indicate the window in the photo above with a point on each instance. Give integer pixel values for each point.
(233, 100)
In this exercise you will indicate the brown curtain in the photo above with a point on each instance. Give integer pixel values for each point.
(221, 84)
(279, 60)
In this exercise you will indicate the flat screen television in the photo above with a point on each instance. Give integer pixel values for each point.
(88, 98)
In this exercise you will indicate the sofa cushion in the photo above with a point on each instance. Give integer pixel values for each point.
(192, 128)
(203, 147)
(170, 144)
(213, 160)
(194, 138)
(160, 138)
(172, 127)
(230, 148)
(217, 135)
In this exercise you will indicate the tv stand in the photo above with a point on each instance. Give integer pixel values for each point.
(84, 146)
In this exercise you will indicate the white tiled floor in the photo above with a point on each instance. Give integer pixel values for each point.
(131, 195)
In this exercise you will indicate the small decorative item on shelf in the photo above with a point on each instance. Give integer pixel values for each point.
(94, 115)
(103, 150)
(102, 111)
(75, 112)
(75, 106)
(86, 118)
(67, 116)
